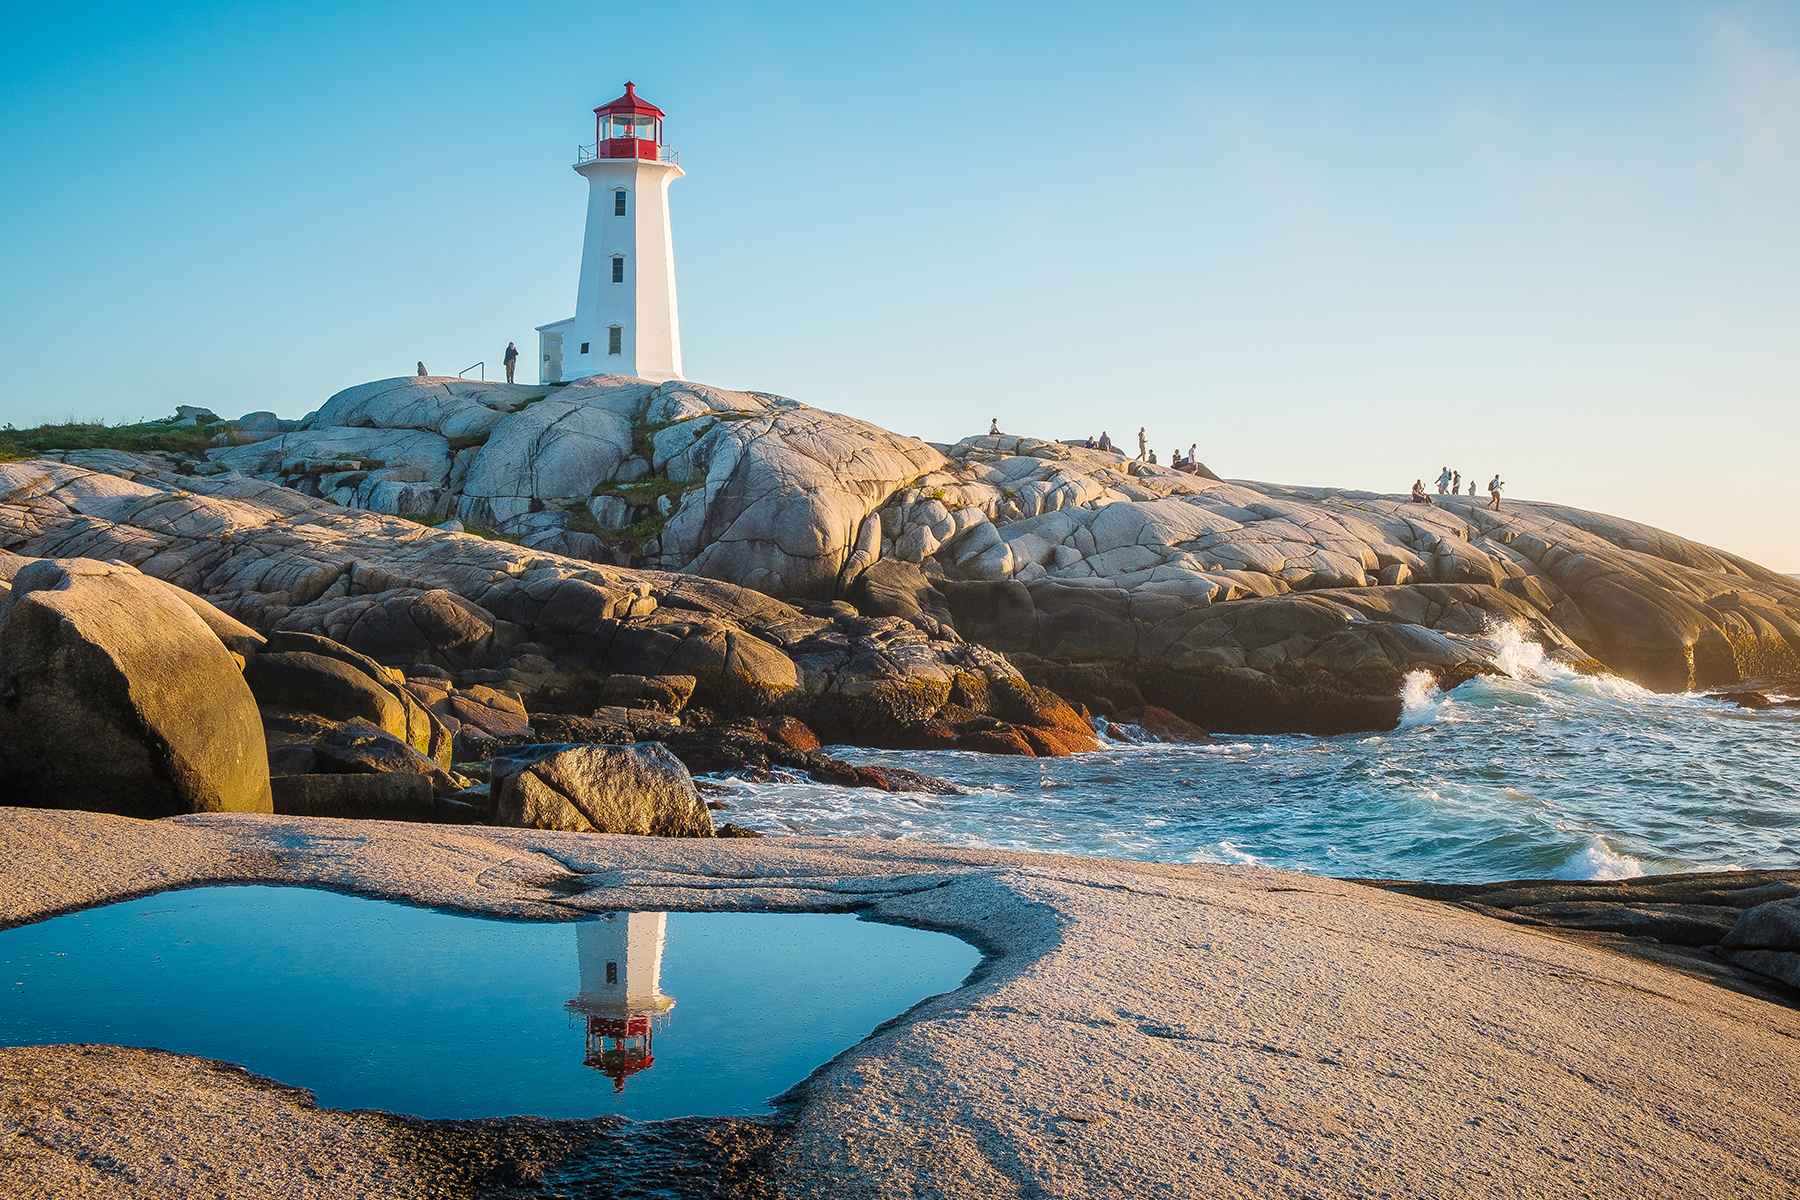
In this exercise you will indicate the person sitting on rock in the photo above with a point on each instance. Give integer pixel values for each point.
(1418, 492)
(1494, 486)
(993, 426)
(421, 368)
(1105, 440)
(1150, 457)
(511, 359)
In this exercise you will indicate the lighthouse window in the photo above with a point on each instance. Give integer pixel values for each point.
(615, 339)
(612, 972)
(618, 268)
(584, 347)
(619, 203)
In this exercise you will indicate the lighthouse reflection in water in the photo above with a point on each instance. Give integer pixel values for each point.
(324, 991)
(621, 991)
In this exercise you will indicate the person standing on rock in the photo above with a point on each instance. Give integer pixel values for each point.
(1193, 453)
(1143, 445)
(511, 359)
(1456, 483)
(1494, 486)
(1443, 481)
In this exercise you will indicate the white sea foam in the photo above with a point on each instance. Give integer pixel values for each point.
(1520, 657)
(1230, 852)
(1421, 702)
(1598, 860)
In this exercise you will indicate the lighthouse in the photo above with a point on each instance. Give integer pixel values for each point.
(625, 321)
(621, 997)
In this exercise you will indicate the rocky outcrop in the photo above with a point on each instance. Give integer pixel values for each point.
(757, 748)
(1135, 1029)
(1253, 607)
(1101, 575)
(641, 789)
(480, 612)
(741, 486)
(1738, 929)
(1766, 939)
(116, 694)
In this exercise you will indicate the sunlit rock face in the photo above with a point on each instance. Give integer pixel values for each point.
(740, 486)
(549, 628)
(119, 693)
(1238, 604)
(1257, 606)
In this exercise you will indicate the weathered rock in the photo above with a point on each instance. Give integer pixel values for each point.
(669, 693)
(641, 789)
(358, 795)
(307, 673)
(1164, 726)
(1766, 939)
(116, 696)
(359, 748)
(1740, 929)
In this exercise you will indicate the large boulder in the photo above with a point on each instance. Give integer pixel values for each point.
(640, 789)
(116, 695)
(307, 675)
(1766, 939)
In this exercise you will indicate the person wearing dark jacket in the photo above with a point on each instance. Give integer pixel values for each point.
(511, 359)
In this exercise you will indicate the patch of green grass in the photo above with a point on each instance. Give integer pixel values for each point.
(644, 491)
(98, 435)
(492, 535)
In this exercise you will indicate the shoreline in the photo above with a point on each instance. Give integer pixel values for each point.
(1134, 1029)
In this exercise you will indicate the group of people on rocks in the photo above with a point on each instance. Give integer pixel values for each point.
(1179, 461)
(1450, 483)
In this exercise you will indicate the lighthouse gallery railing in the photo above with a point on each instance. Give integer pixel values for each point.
(626, 148)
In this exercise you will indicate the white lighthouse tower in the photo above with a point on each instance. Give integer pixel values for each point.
(624, 322)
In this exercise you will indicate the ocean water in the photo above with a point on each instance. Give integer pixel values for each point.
(1541, 773)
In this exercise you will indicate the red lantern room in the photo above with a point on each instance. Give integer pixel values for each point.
(629, 127)
(619, 1048)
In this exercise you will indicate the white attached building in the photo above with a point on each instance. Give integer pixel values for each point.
(625, 321)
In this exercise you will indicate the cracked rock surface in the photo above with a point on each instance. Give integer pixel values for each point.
(1242, 606)
(544, 626)
(1135, 1029)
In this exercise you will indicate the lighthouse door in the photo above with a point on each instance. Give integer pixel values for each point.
(551, 367)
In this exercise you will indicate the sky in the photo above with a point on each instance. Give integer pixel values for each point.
(1328, 243)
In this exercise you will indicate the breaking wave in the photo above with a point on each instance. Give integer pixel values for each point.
(1537, 771)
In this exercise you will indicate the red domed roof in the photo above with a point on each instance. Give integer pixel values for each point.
(630, 104)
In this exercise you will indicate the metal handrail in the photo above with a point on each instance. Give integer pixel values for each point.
(482, 364)
(591, 153)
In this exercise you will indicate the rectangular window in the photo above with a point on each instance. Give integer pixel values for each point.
(612, 972)
(618, 269)
(615, 340)
(584, 347)
(618, 204)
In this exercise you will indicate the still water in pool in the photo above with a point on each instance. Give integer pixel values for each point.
(377, 1005)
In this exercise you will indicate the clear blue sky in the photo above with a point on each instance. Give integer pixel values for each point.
(1330, 243)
